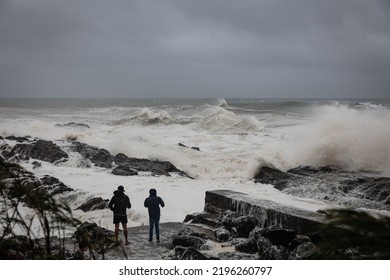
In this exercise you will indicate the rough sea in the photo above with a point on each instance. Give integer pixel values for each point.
(235, 138)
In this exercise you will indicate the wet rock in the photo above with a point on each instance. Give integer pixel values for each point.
(94, 204)
(268, 175)
(145, 165)
(244, 225)
(192, 254)
(184, 146)
(248, 246)
(99, 157)
(188, 241)
(303, 251)
(236, 256)
(93, 235)
(15, 248)
(204, 218)
(19, 139)
(41, 150)
(222, 234)
(53, 185)
(73, 124)
(268, 251)
(189, 231)
(278, 235)
(330, 184)
(36, 164)
(124, 170)
(298, 240)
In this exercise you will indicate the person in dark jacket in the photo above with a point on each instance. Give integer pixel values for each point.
(153, 203)
(118, 204)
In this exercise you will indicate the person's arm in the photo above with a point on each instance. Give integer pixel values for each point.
(128, 203)
(162, 202)
(110, 205)
(146, 204)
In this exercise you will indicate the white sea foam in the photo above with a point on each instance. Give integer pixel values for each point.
(232, 147)
(337, 135)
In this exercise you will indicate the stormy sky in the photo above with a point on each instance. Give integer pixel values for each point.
(195, 48)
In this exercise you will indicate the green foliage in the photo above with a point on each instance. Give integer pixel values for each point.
(52, 217)
(351, 234)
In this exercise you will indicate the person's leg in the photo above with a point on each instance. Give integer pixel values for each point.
(157, 226)
(124, 225)
(116, 232)
(151, 224)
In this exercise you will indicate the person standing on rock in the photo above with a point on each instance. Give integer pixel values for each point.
(118, 204)
(153, 203)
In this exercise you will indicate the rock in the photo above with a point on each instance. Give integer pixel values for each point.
(244, 225)
(192, 254)
(194, 148)
(188, 241)
(120, 159)
(99, 157)
(41, 150)
(236, 256)
(266, 212)
(93, 235)
(267, 251)
(278, 235)
(303, 251)
(73, 124)
(94, 204)
(222, 234)
(36, 164)
(256, 233)
(268, 175)
(53, 185)
(330, 184)
(124, 170)
(248, 246)
(298, 240)
(188, 231)
(144, 165)
(18, 139)
(204, 218)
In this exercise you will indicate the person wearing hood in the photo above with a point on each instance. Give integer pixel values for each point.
(153, 203)
(118, 204)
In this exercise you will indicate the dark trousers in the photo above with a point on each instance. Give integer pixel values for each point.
(154, 223)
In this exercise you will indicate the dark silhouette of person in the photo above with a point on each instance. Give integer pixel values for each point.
(118, 204)
(153, 203)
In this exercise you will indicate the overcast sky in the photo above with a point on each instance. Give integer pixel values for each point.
(195, 48)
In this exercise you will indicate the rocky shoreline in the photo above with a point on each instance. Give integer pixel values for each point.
(233, 226)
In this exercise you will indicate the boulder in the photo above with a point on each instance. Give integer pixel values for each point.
(268, 251)
(41, 150)
(248, 246)
(99, 157)
(124, 170)
(94, 204)
(330, 184)
(73, 124)
(222, 234)
(303, 252)
(236, 256)
(188, 241)
(96, 237)
(192, 254)
(244, 225)
(278, 235)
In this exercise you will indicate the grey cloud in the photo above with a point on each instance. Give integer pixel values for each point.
(183, 48)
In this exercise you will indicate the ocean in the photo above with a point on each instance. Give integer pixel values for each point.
(235, 137)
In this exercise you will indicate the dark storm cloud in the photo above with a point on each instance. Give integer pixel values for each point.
(203, 48)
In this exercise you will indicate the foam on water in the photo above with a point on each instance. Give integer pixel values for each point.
(357, 140)
(234, 140)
